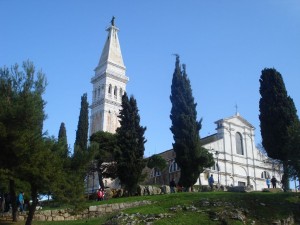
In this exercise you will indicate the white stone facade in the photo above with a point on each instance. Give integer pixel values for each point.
(239, 162)
(109, 85)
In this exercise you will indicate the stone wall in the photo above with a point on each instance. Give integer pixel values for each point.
(67, 214)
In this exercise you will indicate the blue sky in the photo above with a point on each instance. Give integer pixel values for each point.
(225, 45)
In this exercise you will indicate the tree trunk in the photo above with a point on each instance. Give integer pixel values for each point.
(285, 177)
(100, 177)
(32, 207)
(200, 184)
(13, 199)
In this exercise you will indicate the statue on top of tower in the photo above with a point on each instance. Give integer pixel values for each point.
(113, 21)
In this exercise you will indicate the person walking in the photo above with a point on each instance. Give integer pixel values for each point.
(172, 186)
(211, 181)
(268, 182)
(21, 201)
(273, 181)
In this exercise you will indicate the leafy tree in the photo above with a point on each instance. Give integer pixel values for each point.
(156, 162)
(104, 162)
(131, 140)
(277, 114)
(191, 157)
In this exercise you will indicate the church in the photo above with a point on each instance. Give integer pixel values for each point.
(238, 162)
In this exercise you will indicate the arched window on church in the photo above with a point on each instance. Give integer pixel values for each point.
(265, 175)
(173, 167)
(109, 89)
(115, 91)
(215, 167)
(155, 172)
(239, 143)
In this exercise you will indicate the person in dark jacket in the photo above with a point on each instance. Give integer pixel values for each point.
(211, 181)
(172, 186)
(273, 181)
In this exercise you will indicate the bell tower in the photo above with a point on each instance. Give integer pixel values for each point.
(109, 85)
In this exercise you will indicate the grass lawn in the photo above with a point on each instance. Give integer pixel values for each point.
(208, 208)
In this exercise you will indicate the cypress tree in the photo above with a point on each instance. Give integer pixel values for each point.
(82, 156)
(277, 114)
(62, 139)
(294, 144)
(62, 133)
(131, 140)
(83, 125)
(191, 157)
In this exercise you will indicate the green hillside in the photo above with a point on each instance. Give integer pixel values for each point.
(202, 208)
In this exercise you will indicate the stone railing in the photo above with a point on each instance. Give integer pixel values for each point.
(67, 214)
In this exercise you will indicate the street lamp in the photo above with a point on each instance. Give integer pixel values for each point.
(217, 155)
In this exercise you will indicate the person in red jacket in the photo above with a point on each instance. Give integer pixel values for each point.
(100, 195)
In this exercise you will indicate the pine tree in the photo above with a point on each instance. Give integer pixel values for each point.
(25, 153)
(83, 125)
(104, 157)
(131, 140)
(277, 114)
(190, 156)
(157, 163)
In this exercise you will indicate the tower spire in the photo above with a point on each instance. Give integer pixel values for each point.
(111, 53)
(109, 84)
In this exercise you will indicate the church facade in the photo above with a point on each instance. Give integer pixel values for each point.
(238, 161)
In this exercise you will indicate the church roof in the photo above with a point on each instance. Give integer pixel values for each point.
(210, 139)
(111, 52)
(239, 117)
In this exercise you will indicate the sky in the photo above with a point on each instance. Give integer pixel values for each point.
(225, 45)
